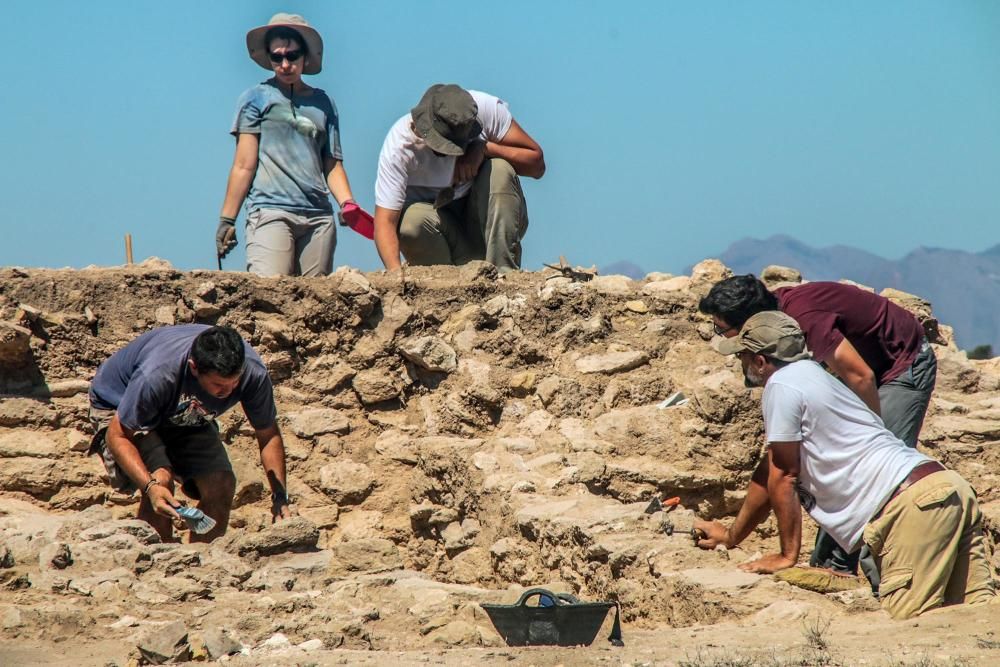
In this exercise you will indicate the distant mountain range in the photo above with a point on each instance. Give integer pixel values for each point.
(963, 287)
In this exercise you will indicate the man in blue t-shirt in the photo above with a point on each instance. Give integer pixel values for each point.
(153, 405)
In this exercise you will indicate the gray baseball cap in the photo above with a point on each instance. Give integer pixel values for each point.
(446, 118)
(771, 333)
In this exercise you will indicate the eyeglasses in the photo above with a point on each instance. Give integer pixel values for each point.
(290, 56)
(721, 331)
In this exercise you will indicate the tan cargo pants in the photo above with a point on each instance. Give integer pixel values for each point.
(488, 224)
(928, 544)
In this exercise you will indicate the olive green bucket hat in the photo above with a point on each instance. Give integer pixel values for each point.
(771, 333)
(446, 118)
(313, 43)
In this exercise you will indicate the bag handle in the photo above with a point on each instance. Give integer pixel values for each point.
(556, 598)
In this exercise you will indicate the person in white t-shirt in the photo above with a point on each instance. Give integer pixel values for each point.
(828, 452)
(447, 190)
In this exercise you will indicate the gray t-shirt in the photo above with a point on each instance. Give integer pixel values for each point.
(149, 384)
(294, 141)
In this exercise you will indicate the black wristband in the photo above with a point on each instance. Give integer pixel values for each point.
(227, 220)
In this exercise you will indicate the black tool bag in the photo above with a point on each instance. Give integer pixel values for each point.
(565, 622)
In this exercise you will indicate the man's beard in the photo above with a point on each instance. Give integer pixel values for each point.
(750, 379)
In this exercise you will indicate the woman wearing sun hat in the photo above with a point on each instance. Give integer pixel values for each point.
(288, 158)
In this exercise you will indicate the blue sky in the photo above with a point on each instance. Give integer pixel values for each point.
(670, 129)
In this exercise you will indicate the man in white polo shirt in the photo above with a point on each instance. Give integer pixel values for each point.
(830, 453)
(447, 190)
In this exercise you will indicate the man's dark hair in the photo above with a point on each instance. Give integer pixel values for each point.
(284, 32)
(737, 299)
(218, 350)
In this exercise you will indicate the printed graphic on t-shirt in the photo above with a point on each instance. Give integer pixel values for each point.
(302, 123)
(190, 412)
(806, 499)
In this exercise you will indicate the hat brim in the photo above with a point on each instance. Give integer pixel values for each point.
(724, 345)
(439, 144)
(314, 44)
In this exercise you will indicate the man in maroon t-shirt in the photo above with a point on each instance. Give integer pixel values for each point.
(877, 349)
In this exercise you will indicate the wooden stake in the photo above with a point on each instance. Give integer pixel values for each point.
(128, 248)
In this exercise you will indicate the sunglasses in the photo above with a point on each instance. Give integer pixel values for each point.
(290, 56)
(721, 331)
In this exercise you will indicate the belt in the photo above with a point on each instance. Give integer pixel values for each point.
(923, 470)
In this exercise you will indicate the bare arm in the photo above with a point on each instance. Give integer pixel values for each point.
(387, 237)
(336, 180)
(121, 444)
(241, 175)
(272, 458)
(856, 374)
(518, 148)
(782, 475)
(752, 513)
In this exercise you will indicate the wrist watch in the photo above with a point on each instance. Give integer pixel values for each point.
(279, 497)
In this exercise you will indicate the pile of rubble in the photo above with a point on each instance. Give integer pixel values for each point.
(452, 437)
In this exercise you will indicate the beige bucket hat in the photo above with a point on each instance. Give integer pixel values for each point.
(313, 42)
(771, 333)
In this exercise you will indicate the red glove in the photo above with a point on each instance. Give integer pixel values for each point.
(358, 219)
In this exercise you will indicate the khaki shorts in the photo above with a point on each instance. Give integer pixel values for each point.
(188, 452)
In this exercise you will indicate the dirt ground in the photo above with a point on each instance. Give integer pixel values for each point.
(453, 439)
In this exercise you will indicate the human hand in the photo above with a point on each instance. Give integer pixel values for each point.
(768, 564)
(281, 506)
(353, 216)
(712, 534)
(281, 511)
(467, 165)
(225, 236)
(163, 501)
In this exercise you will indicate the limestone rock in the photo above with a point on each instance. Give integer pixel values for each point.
(327, 374)
(218, 643)
(364, 555)
(166, 643)
(76, 441)
(396, 312)
(613, 284)
(28, 443)
(164, 315)
(294, 534)
(352, 282)
(375, 386)
(523, 383)
(67, 388)
(612, 362)
(318, 421)
(774, 275)
(460, 535)
(430, 353)
(456, 633)
(15, 348)
(708, 272)
(206, 291)
(204, 309)
(671, 285)
(346, 482)
(135, 528)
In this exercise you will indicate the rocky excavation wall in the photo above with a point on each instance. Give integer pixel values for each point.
(451, 438)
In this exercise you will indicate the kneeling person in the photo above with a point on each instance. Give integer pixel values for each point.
(862, 484)
(447, 190)
(153, 405)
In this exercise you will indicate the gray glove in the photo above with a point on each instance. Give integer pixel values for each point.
(225, 236)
